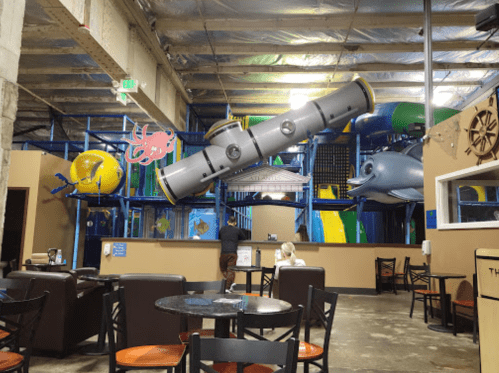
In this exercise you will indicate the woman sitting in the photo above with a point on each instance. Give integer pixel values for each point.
(288, 253)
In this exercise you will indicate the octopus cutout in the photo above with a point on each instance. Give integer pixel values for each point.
(153, 147)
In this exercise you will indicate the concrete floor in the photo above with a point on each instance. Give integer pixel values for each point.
(371, 334)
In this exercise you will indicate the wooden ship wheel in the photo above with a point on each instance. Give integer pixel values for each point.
(483, 132)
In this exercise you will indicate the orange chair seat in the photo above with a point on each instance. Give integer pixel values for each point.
(184, 336)
(151, 356)
(309, 351)
(9, 360)
(3, 334)
(424, 291)
(232, 368)
(386, 274)
(254, 295)
(465, 303)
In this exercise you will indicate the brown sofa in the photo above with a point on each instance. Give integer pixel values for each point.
(72, 313)
(294, 282)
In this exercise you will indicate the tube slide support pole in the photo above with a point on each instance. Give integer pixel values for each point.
(428, 68)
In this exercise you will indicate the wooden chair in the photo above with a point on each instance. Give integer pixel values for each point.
(241, 351)
(467, 304)
(199, 287)
(26, 316)
(385, 273)
(18, 289)
(290, 320)
(310, 353)
(405, 274)
(422, 295)
(266, 282)
(123, 358)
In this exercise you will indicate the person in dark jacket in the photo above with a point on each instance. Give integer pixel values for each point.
(230, 236)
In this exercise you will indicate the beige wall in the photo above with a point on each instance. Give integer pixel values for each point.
(347, 266)
(273, 219)
(453, 250)
(50, 220)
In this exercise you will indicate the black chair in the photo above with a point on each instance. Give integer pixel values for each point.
(266, 282)
(199, 287)
(22, 318)
(467, 304)
(123, 358)
(405, 274)
(291, 320)
(240, 351)
(422, 295)
(10, 289)
(385, 273)
(310, 353)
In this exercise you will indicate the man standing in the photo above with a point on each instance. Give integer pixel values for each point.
(229, 235)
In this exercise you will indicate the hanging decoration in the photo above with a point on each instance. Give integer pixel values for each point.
(153, 147)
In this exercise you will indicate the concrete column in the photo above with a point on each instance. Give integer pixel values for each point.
(11, 25)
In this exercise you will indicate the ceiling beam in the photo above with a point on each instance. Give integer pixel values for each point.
(359, 68)
(62, 50)
(316, 23)
(283, 100)
(44, 32)
(68, 85)
(283, 86)
(60, 70)
(330, 48)
(72, 99)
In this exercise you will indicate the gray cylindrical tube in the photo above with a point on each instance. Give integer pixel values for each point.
(233, 149)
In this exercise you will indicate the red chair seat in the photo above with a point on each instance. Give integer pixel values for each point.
(232, 368)
(151, 356)
(309, 351)
(184, 336)
(465, 303)
(9, 360)
(424, 291)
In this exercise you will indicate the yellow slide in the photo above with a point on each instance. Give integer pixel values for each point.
(334, 230)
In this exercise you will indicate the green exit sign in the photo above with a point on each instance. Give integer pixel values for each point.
(129, 86)
(121, 98)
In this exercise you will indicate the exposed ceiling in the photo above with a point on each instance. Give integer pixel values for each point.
(254, 55)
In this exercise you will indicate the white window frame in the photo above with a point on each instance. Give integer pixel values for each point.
(442, 197)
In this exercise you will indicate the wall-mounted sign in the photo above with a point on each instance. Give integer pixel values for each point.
(119, 249)
(431, 219)
(121, 98)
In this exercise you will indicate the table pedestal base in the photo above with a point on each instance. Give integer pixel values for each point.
(440, 328)
(93, 349)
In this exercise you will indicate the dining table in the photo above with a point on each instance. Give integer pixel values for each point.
(442, 277)
(249, 270)
(100, 347)
(221, 307)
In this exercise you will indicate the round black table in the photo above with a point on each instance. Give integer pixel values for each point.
(221, 307)
(249, 270)
(100, 348)
(443, 327)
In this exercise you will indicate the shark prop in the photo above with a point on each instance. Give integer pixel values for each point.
(391, 177)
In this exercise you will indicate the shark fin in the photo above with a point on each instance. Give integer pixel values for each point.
(408, 194)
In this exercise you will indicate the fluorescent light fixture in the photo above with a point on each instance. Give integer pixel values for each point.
(296, 101)
(442, 98)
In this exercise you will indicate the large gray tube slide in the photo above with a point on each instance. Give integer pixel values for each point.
(233, 149)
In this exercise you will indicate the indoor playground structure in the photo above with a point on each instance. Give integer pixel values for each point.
(176, 188)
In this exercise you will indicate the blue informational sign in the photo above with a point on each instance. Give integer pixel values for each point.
(431, 219)
(119, 249)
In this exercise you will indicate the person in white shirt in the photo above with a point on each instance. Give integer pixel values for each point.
(288, 252)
